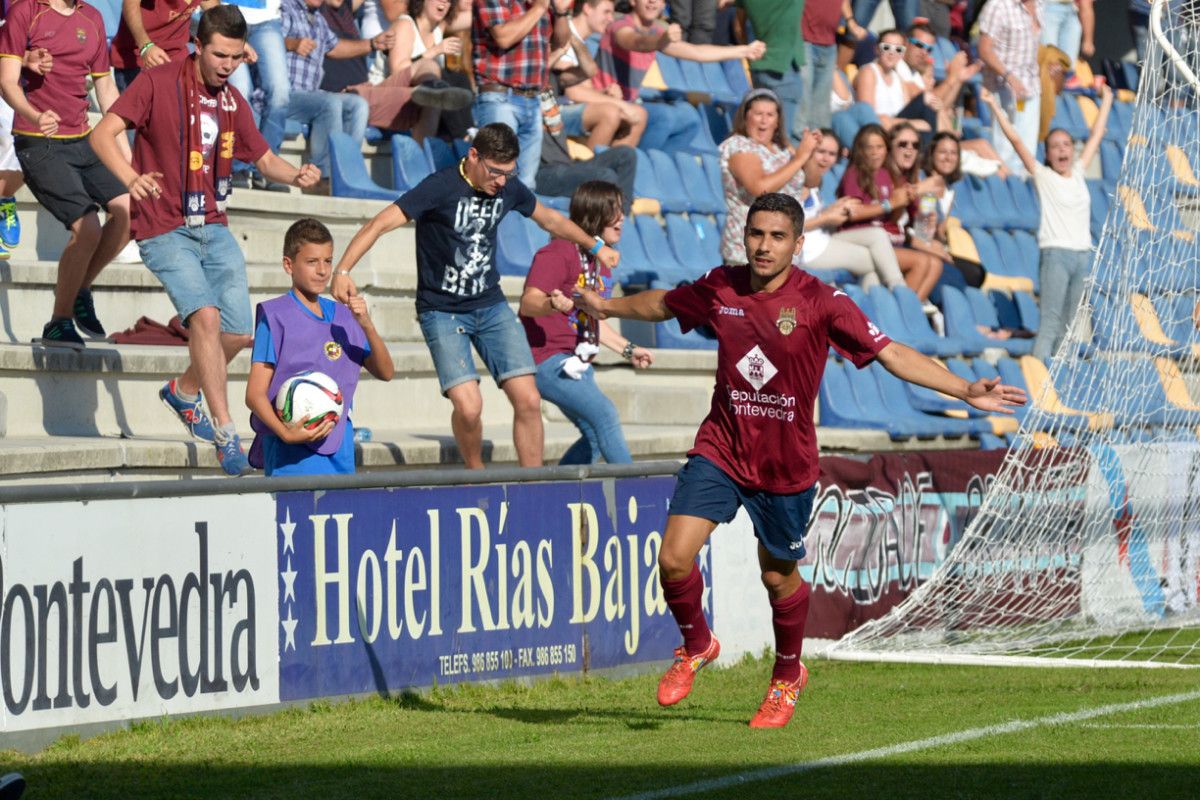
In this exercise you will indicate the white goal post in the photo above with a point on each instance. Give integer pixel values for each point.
(1086, 549)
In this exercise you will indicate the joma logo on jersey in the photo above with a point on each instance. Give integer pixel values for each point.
(756, 368)
(726, 311)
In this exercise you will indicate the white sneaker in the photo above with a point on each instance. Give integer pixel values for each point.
(129, 254)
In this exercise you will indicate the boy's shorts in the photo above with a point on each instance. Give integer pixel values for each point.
(66, 176)
(702, 489)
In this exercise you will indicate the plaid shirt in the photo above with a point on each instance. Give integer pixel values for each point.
(301, 22)
(1015, 36)
(522, 66)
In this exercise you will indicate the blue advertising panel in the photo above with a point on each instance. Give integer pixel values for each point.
(385, 589)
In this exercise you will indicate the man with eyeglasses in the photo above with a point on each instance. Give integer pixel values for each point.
(916, 69)
(460, 305)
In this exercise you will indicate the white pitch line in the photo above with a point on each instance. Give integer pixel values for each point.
(1105, 726)
(1013, 726)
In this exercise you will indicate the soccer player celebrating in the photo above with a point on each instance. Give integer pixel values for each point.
(757, 448)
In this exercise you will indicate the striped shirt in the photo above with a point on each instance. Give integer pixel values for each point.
(301, 22)
(522, 66)
(1015, 37)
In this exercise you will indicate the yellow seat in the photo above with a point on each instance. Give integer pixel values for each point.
(1007, 283)
(961, 244)
(579, 151)
(1135, 209)
(1089, 109)
(1181, 166)
(1083, 73)
(1045, 396)
(646, 205)
(653, 78)
(1147, 320)
(1174, 385)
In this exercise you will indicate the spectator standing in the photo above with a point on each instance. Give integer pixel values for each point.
(752, 451)
(301, 332)
(376, 17)
(903, 12)
(512, 45)
(867, 251)
(460, 305)
(1064, 235)
(268, 56)
(50, 129)
(757, 159)
(342, 73)
(1070, 25)
(11, 178)
(777, 24)
(627, 50)
(152, 32)
(564, 340)
(309, 40)
(191, 123)
(1009, 32)
(818, 27)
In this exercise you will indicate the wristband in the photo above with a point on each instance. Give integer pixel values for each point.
(597, 247)
(341, 272)
(627, 353)
(142, 50)
(887, 205)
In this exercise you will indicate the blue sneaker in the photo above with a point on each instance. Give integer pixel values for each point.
(233, 460)
(190, 414)
(10, 223)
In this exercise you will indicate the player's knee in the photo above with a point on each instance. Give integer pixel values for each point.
(775, 582)
(674, 565)
(468, 406)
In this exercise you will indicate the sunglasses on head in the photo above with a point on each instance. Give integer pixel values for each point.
(888, 47)
(906, 145)
(928, 48)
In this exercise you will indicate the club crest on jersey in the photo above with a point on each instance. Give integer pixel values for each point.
(787, 321)
(333, 351)
(81, 34)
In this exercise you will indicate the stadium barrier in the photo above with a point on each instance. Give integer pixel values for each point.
(126, 601)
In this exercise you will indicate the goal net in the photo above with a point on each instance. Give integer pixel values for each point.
(1087, 546)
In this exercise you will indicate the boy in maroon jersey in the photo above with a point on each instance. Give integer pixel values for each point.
(758, 448)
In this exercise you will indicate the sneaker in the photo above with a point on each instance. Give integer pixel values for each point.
(231, 457)
(190, 414)
(439, 94)
(130, 254)
(85, 315)
(241, 180)
(676, 683)
(779, 704)
(60, 333)
(10, 223)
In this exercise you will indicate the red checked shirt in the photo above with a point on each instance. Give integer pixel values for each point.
(771, 353)
(522, 66)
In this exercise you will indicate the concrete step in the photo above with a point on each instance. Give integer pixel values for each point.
(112, 390)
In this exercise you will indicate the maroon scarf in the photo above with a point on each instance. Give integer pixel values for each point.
(191, 93)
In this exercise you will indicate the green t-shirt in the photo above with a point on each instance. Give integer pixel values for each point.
(776, 22)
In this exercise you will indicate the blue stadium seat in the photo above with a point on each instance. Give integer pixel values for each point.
(702, 141)
(514, 252)
(1110, 164)
(409, 165)
(695, 182)
(348, 172)
(712, 173)
(960, 320)
(666, 335)
(984, 202)
(871, 400)
(710, 238)
(836, 403)
(672, 75)
(932, 402)
(1069, 117)
(110, 11)
(558, 203)
(860, 299)
(635, 268)
(439, 153)
(964, 209)
(686, 245)
(897, 401)
(1006, 309)
(718, 120)
(1025, 201)
(1008, 216)
(739, 81)
(985, 314)
(1100, 204)
(1031, 318)
(718, 84)
(892, 321)
(914, 317)
(648, 183)
(989, 252)
(538, 238)
(659, 253)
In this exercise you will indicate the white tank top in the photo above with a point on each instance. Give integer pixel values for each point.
(889, 100)
(419, 47)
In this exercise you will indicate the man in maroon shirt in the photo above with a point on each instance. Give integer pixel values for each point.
(758, 448)
(50, 130)
(152, 32)
(179, 179)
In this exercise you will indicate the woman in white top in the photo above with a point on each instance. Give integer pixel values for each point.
(755, 160)
(880, 86)
(424, 37)
(1064, 236)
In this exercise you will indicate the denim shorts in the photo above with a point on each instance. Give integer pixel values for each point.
(572, 119)
(702, 489)
(202, 267)
(496, 334)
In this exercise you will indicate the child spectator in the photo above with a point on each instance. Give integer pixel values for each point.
(303, 331)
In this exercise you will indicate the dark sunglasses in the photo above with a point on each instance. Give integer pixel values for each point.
(906, 145)
(928, 48)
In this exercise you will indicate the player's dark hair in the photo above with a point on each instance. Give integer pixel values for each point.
(221, 20)
(780, 203)
(595, 205)
(305, 231)
(497, 142)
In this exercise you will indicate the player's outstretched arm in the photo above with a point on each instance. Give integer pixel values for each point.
(986, 395)
(648, 306)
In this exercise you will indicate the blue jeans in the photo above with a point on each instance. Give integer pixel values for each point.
(589, 409)
(495, 332)
(1062, 273)
(202, 267)
(903, 12)
(846, 123)
(325, 112)
(270, 75)
(669, 126)
(816, 80)
(524, 116)
(1061, 28)
(789, 87)
(1026, 117)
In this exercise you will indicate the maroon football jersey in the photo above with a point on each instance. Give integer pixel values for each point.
(771, 355)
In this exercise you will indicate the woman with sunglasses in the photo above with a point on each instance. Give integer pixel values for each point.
(757, 160)
(564, 341)
(880, 86)
(884, 194)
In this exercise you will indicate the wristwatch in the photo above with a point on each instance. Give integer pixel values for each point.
(627, 353)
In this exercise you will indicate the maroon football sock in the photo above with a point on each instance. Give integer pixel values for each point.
(788, 616)
(684, 599)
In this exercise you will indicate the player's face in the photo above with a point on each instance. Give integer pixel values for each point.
(489, 176)
(904, 149)
(771, 242)
(219, 58)
(1060, 150)
(945, 157)
(762, 120)
(311, 268)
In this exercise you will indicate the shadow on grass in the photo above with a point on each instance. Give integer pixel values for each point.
(634, 720)
(362, 781)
